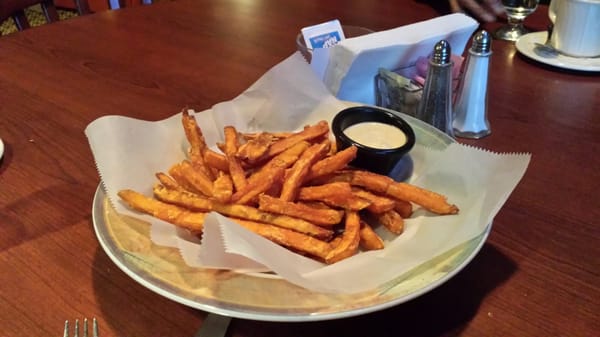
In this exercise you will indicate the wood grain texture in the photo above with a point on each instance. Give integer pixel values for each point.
(538, 274)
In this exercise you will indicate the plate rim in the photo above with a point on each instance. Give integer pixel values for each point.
(524, 46)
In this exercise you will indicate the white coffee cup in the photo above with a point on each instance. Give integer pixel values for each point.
(576, 27)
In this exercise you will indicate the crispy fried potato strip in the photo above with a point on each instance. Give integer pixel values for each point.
(193, 134)
(309, 132)
(319, 192)
(369, 240)
(352, 203)
(222, 188)
(170, 213)
(272, 135)
(348, 245)
(427, 199)
(378, 204)
(392, 221)
(238, 175)
(319, 216)
(256, 148)
(288, 238)
(216, 160)
(197, 143)
(404, 208)
(196, 178)
(332, 163)
(337, 194)
(296, 175)
(168, 181)
(176, 172)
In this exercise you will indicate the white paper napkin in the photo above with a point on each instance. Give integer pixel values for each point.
(348, 68)
(128, 152)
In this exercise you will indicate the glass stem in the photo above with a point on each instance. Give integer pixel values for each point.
(515, 22)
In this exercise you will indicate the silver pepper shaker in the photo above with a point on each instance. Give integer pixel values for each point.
(470, 109)
(435, 106)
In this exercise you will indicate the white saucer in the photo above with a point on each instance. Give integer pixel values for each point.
(1, 148)
(526, 45)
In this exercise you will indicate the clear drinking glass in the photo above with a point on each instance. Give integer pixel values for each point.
(516, 11)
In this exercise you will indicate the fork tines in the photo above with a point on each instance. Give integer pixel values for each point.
(85, 328)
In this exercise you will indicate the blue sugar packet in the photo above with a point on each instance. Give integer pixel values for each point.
(325, 40)
(323, 35)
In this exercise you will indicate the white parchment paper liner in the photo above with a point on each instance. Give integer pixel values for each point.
(129, 152)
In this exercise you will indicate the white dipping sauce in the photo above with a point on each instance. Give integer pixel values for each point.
(376, 135)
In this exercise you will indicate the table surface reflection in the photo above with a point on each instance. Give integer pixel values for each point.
(537, 275)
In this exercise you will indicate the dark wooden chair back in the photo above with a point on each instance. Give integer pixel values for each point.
(15, 9)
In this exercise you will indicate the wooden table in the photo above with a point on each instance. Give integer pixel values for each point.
(538, 274)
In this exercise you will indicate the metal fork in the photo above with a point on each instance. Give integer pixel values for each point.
(85, 328)
(213, 326)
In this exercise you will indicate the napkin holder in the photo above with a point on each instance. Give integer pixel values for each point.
(348, 69)
(396, 92)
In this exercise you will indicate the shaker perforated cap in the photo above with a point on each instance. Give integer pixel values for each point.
(482, 42)
(441, 53)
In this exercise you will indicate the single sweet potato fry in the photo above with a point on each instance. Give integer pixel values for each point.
(319, 192)
(255, 149)
(197, 143)
(288, 238)
(371, 181)
(352, 203)
(427, 199)
(309, 132)
(378, 204)
(238, 175)
(176, 215)
(273, 135)
(283, 221)
(223, 188)
(404, 208)
(185, 199)
(369, 240)
(216, 160)
(319, 216)
(332, 163)
(193, 134)
(197, 178)
(296, 174)
(177, 173)
(337, 194)
(432, 201)
(168, 181)
(392, 221)
(348, 245)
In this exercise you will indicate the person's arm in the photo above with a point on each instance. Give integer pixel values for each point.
(483, 10)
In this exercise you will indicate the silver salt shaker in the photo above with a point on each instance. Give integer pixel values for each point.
(435, 106)
(470, 109)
